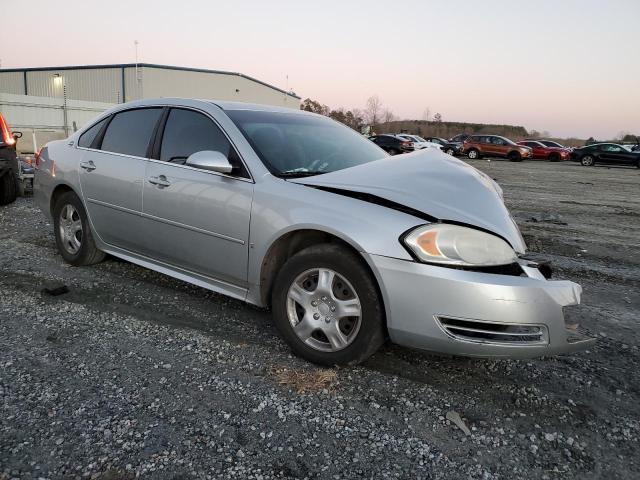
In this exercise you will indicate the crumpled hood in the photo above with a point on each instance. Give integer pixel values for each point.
(431, 182)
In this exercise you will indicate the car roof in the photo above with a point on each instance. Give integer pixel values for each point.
(224, 105)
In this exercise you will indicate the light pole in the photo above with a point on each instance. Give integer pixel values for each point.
(58, 81)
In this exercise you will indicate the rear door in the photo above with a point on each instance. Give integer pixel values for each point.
(196, 219)
(616, 154)
(112, 171)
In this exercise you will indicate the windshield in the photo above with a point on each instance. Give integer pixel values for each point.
(293, 144)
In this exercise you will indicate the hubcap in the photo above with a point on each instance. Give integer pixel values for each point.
(70, 229)
(324, 310)
(472, 154)
(587, 161)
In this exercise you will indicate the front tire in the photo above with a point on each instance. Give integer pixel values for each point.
(73, 232)
(473, 154)
(327, 308)
(587, 161)
(514, 157)
(393, 151)
(450, 151)
(554, 157)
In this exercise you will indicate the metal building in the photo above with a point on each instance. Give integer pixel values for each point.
(126, 82)
(50, 102)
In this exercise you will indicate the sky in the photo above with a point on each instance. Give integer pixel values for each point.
(569, 67)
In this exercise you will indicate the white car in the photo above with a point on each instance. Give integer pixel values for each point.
(418, 142)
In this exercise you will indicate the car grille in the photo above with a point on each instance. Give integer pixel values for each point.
(494, 332)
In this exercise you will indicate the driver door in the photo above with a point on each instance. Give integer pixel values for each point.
(197, 219)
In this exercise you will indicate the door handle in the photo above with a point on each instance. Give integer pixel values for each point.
(88, 166)
(161, 181)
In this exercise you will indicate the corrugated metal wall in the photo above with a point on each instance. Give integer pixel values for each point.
(157, 82)
(12, 82)
(93, 85)
(106, 85)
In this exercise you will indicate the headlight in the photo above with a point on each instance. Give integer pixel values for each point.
(455, 245)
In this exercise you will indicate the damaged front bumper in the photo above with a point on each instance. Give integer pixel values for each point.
(472, 313)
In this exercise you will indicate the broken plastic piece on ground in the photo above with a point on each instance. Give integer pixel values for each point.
(455, 418)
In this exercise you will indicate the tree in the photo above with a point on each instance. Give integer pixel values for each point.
(427, 114)
(437, 118)
(387, 116)
(372, 112)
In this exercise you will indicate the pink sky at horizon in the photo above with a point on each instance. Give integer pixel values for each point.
(566, 67)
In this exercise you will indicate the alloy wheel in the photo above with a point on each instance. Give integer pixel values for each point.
(473, 154)
(70, 229)
(324, 310)
(587, 161)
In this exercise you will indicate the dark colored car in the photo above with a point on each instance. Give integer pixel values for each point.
(478, 146)
(605, 153)
(544, 152)
(9, 168)
(452, 148)
(392, 145)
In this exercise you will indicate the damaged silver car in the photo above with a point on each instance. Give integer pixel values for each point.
(292, 211)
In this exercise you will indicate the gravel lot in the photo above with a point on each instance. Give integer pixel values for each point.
(134, 374)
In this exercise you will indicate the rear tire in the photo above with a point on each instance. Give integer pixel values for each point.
(514, 157)
(450, 151)
(393, 151)
(302, 308)
(73, 232)
(587, 161)
(8, 188)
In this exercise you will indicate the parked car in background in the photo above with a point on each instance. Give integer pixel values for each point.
(478, 146)
(418, 142)
(540, 151)
(605, 153)
(458, 141)
(9, 167)
(392, 144)
(548, 143)
(452, 148)
(289, 210)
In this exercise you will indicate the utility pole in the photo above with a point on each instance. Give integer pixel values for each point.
(138, 76)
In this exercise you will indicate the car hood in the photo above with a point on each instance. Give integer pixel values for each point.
(433, 183)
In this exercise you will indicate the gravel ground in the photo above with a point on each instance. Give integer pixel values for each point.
(134, 374)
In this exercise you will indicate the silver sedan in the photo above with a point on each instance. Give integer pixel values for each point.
(292, 211)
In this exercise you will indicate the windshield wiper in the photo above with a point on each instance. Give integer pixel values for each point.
(298, 173)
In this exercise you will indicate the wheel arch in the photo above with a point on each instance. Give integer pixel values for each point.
(57, 192)
(291, 242)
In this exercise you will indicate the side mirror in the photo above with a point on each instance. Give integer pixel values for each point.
(210, 160)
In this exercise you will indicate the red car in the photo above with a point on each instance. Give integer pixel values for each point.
(543, 152)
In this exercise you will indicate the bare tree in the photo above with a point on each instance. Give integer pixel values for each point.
(437, 118)
(387, 116)
(427, 114)
(373, 110)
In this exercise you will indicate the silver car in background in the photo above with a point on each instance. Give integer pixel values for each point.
(292, 211)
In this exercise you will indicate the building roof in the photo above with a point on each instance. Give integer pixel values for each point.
(145, 65)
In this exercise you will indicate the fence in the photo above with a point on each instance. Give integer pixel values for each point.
(41, 119)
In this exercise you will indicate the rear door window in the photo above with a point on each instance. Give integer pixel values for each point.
(130, 132)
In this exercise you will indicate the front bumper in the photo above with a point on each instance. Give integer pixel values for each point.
(420, 299)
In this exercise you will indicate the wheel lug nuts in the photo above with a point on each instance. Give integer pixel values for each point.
(324, 299)
(333, 308)
(316, 316)
(314, 303)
